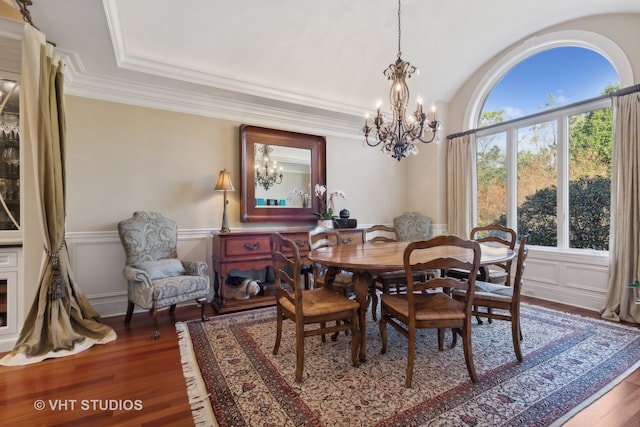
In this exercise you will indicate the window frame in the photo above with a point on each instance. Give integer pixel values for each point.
(510, 128)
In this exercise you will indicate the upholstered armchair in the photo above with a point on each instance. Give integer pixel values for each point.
(156, 278)
(413, 226)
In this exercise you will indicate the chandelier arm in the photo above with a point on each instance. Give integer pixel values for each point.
(366, 139)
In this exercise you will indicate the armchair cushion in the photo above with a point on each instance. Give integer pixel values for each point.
(162, 268)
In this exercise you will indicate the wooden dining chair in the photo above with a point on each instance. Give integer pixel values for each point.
(503, 297)
(494, 234)
(425, 305)
(390, 281)
(343, 281)
(305, 307)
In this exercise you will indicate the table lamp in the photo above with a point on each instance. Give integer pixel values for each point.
(224, 184)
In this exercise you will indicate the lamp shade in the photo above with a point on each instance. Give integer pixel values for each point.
(224, 182)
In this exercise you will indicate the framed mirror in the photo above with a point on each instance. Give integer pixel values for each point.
(279, 170)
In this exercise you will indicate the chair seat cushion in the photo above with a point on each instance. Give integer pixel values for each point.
(175, 287)
(162, 268)
(320, 301)
(489, 291)
(390, 275)
(497, 276)
(436, 306)
(341, 280)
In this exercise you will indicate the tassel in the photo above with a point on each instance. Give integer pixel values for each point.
(56, 287)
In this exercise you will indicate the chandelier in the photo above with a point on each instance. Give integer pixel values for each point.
(267, 172)
(399, 137)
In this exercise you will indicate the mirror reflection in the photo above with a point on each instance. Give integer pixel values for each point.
(282, 176)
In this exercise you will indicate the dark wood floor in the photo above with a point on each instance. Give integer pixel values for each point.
(135, 368)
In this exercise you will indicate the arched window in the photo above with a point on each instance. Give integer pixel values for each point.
(549, 79)
(543, 153)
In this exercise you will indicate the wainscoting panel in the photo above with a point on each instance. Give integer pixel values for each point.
(575, 279)
(97, 260)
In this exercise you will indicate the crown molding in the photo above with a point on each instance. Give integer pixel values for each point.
(127, 60)
(215, 103)
(264, 107)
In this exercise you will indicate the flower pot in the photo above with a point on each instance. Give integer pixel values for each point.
(327, 223)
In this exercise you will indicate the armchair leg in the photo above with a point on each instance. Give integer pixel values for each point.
(202, 302)
(127, 318)
(156, 333)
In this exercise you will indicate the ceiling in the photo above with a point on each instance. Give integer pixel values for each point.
(307, 56)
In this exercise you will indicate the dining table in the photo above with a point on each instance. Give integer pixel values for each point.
(365, 260)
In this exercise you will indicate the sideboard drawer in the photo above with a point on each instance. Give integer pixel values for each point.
(255, 245)
(300, 239)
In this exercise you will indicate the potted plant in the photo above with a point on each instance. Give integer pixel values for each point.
(327, 204)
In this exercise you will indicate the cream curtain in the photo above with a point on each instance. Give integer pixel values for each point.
(61, 320)
(461, 180)
(624, 242)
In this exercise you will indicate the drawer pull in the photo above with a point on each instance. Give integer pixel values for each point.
(251, 247)
(301, 243)
(345, 241)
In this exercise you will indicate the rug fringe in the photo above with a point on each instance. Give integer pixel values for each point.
(196, 390)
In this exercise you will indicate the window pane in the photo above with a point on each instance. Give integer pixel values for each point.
(589, 179)
(492, 179)
(537, 183)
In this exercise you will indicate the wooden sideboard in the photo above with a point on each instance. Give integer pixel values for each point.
(249, 250)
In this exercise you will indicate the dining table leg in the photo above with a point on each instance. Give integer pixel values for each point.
(361, 281)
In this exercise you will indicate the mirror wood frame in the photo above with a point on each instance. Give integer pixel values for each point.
(249, 136)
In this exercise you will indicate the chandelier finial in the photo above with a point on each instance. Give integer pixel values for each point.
(400, 136)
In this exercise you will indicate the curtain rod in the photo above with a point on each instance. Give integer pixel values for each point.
(26, 15)
(626, 90)
(24, 11)
(620, 92)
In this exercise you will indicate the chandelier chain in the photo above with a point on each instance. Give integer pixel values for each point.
(399, 31)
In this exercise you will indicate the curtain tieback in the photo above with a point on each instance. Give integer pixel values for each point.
(56, 287)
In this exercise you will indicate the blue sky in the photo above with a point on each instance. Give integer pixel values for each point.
(571, 74)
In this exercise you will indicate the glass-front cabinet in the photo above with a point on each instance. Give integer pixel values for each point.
(9, 155)
(10, 211)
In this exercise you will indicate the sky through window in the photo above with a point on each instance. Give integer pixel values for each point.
(570, 74)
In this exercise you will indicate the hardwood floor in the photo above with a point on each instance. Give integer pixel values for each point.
(136, 371)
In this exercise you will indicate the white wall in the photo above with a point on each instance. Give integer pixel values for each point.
(123, 158)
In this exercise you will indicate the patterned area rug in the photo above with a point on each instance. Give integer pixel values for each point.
(569, 362)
